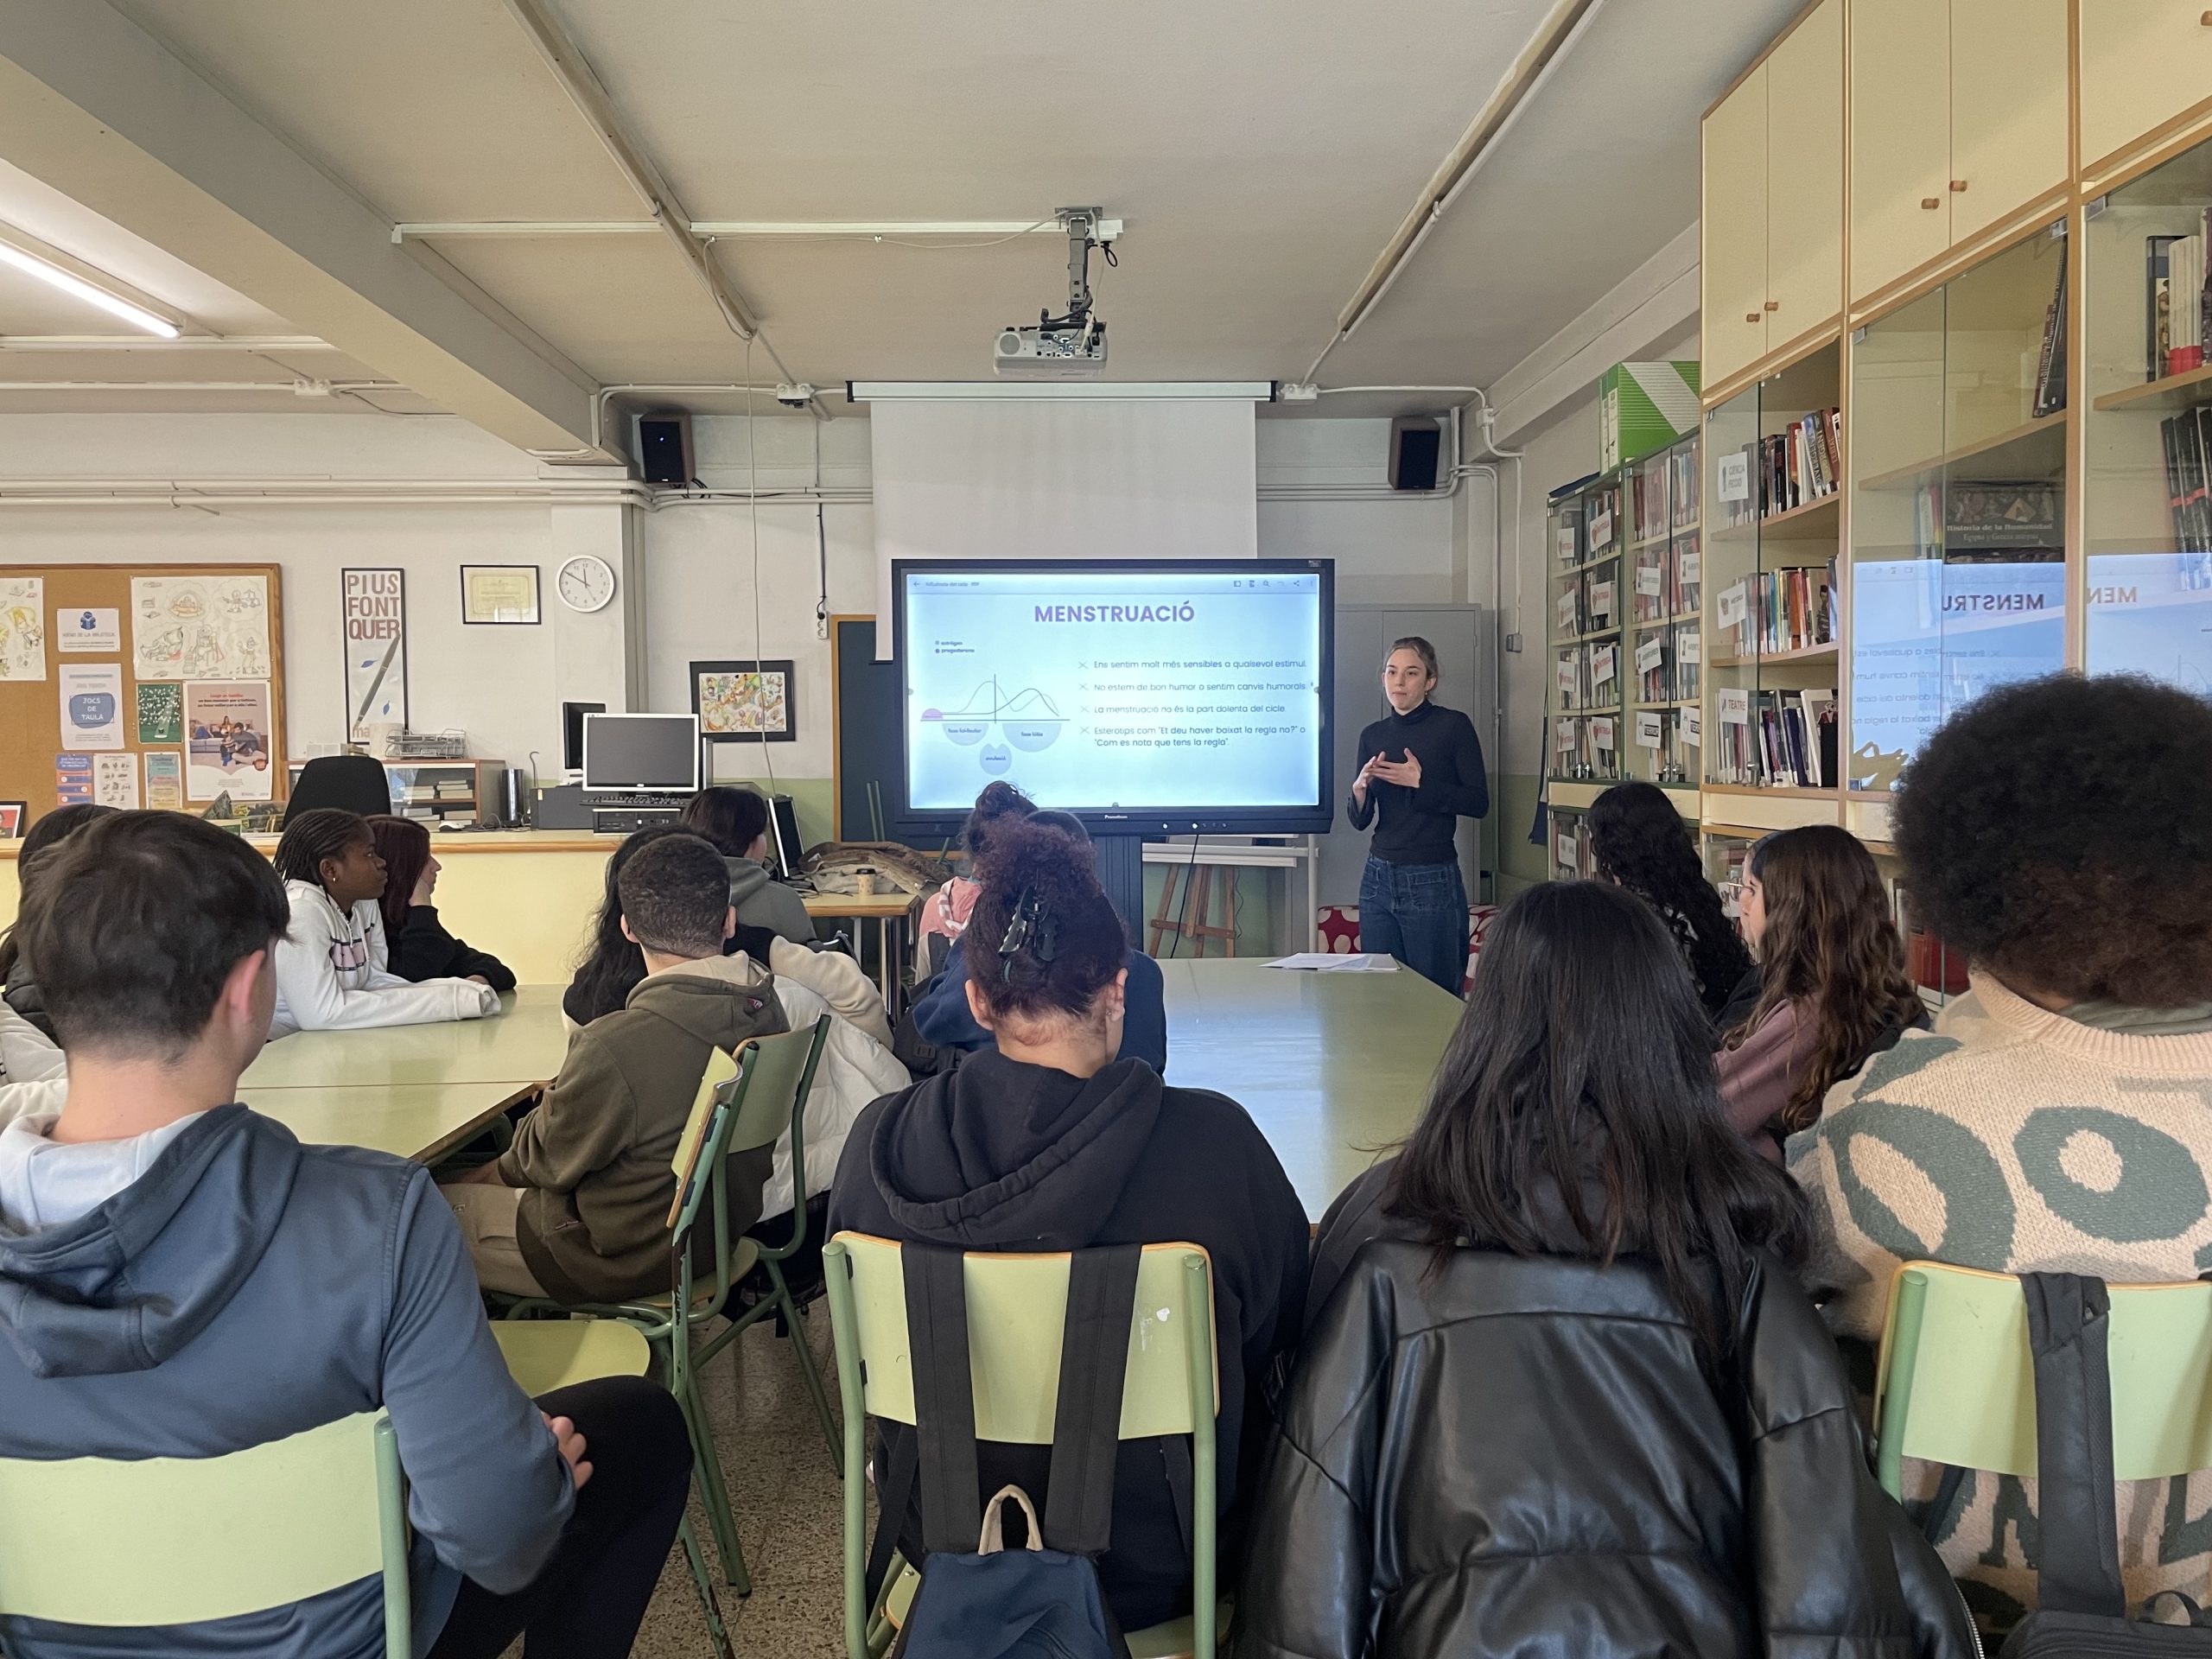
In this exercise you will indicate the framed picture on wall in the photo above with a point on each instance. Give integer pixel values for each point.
(743, 702)
(495, 595)
(375, 618)
(12, 820)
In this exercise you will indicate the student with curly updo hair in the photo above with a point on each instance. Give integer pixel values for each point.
(1642, 843)
(2059, 833)
(1045, 1142)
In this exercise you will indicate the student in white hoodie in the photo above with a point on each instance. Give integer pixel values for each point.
(331, 972)
(33, 1081)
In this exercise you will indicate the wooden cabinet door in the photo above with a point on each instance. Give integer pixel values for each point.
(2008, 107)
(1735, 230)
(2143, 63)
(1900, 138)
(1804, 176)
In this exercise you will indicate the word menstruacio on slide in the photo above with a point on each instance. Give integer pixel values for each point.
(1093, 688)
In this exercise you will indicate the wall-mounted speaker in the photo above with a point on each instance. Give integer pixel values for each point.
(665, 448)
(1416, 445)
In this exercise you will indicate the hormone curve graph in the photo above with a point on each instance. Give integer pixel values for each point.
(1030, 720)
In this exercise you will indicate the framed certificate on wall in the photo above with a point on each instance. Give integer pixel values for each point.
(498, 595)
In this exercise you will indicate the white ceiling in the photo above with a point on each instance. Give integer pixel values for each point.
(1262, 152)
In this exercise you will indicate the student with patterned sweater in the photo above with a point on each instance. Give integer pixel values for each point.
(2059, 832)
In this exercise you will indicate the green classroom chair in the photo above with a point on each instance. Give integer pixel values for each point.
(745, 1102)
(1017, 1312)
(126, 1543)
(1955, 1382)
(544, 1355)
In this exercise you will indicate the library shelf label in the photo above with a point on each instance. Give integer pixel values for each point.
(1694, 727)
(1647, 731)
(1650, 654)
(1735, 706)
(1601, 664)
(1735, 606)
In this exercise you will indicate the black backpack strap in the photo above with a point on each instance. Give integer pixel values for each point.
(1087, 1426)
(893, 1499)
(2069, 1318)
(944, 1399)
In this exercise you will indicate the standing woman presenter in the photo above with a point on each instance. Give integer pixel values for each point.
(1420, 772)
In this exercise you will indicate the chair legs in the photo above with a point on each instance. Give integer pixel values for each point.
(709, 1603)
(707, 1469)
(789, 1308)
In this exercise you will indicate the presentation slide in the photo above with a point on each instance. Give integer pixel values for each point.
(1092, 689)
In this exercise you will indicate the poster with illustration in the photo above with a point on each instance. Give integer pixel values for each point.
(743, 699)
(161, 713)
(96, 631)
(91, 705)
(205, 627)
(23, 628)
(376, 649)
(164, 780)
(115, 781)
(73, 779)
(227, 744)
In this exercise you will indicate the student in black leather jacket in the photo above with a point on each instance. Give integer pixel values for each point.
(1564, 1395)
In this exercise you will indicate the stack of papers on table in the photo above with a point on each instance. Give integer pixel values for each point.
(1321, 962)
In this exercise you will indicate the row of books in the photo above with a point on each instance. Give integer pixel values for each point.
(1794, 467)
(1668, 665)
(1668, 576)
(1574, 859)
(2050, 366)
(1774, 740)
(2176, 303)
(1792, 608)
(1655, 744)
(1586, 746)
(1589, 676)
(1588, 602)
(2188, 438)
(1663, 491)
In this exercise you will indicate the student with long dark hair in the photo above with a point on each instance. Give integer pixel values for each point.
(1562, 1393)
(1832, 986)
(419, 946)
(1048, 1143)
(736, 821)
(946, 914)
(333, 963)
(1643, 844)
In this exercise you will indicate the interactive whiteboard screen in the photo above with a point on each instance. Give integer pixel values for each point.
(1176, 692)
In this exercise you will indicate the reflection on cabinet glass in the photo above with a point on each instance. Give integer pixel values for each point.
(1591, 534)
(1958, 578)
(1773, 462)
(2148, 608)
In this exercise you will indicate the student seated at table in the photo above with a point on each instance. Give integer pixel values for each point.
(1047, 1141)
(577, 1208)
(945, 916)
(1641, 842)
(1562, 1393)
(185, 1280)
(1830, 991)
(2058, 833)
(612, 966)
(736, 821)
(22, 992)
(942, 1013)
(332, 971)
(419, 946)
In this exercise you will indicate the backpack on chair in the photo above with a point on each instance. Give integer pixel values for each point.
(978, 1598)
(2080, 1605)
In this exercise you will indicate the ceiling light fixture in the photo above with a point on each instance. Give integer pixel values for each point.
(55, 276)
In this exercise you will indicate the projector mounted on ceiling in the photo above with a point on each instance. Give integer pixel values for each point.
(1071, 347)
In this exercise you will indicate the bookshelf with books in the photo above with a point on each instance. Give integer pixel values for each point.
(1664, 647)
(1592, 531)
(2148, 488)
(1775, 459)
(1956, 580)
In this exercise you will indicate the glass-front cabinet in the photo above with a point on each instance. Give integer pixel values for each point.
(1958, 580)
(2147, 571)
(1665, 575)
(1590, 538)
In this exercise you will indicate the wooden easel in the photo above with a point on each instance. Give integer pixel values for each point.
(1164, 921)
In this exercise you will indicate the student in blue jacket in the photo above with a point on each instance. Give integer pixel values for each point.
(943, 1017)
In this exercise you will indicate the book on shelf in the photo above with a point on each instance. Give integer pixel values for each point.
(1588, 676)
(2188, 439)
(1792, 609)
(1794, 467)
(1775, 740)
(1573, 858)
(2177, 303)
(1683, 485)
(2050, 368)
(1992, 521)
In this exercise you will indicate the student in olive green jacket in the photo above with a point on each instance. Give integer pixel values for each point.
(577, 1207)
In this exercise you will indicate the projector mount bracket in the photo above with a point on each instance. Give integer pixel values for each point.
(1086, 228)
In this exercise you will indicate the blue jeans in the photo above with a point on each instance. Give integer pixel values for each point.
(1418, 913)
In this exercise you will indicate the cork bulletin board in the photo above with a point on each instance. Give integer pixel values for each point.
(102, 665)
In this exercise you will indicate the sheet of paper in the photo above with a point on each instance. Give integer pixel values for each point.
(1694, 727)
(1688, 646)
(1566, 678)
(1566, 612)
(1648, 729)
(1601, 664)
(1601, 532)
(1570, 731)
(1735, 707)
(115, 781)
(202, 627)
(92, 704)
(1601, 732)
(1601, 599)
(1650, 579)
(1692, 563)
(1735, 603)
(165, 781)
(229, 740)
(1565, 849)
(1650, 654)
(1732, 477)
(23, 628)
(1323, 961)
(88, 631)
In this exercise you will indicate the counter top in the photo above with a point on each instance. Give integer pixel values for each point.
(448, 843)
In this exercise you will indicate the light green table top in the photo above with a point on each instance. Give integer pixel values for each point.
(420, 1120)
(1330, 1066)
(524, 1043)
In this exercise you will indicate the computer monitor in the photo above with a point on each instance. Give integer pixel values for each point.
(641, 752)
(572, 733)
(784, 849)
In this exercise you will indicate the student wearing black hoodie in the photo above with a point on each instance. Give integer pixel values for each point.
(1047, 1142)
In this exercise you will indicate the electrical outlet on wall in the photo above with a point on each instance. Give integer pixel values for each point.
(1513, 642)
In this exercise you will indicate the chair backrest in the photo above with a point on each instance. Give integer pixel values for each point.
(355, 782)
(134, 1542)
(1956, 1380)
(1017, 1310)
(746, 1100)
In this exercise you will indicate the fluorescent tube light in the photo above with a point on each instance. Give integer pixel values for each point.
(878, 391)
(53, 275)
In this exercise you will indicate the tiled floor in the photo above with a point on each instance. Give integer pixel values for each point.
(789, 1506)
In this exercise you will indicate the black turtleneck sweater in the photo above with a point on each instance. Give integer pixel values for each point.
(1418, 824)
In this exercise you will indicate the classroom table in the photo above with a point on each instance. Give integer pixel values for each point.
(891, 912)
(421, 1121)
(1332, 1066)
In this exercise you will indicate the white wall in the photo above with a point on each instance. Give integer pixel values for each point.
(694, 563)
